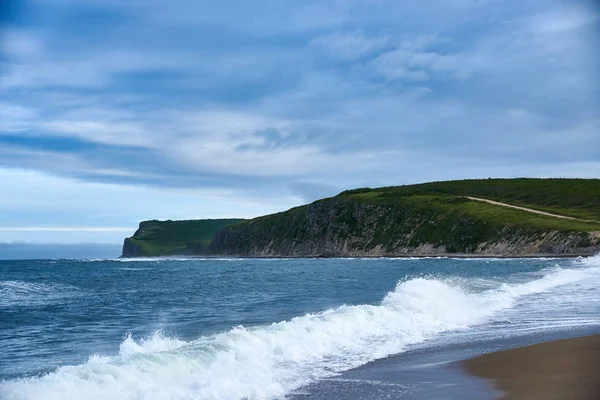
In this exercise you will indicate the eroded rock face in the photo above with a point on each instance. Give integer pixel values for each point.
(130, 249)
(346, 228)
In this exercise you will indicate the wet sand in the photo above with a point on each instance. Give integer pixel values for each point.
(432, 370)
(563, 369)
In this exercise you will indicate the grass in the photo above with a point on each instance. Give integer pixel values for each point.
(579, 198)
(161, 238)
(458, 223)
(436, 213)
(450, 204)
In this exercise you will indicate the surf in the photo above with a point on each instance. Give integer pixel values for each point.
(272, 361)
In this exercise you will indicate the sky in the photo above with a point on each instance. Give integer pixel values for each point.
(113, 112)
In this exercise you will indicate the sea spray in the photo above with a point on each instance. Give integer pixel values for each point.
(271, 361)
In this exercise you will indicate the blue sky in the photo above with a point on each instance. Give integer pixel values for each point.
(115, 111)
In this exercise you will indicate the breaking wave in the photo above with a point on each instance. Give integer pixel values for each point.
(272, 361)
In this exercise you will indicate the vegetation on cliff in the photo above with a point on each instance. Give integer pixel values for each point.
(579, 198)
(163, 238)
(427, 219)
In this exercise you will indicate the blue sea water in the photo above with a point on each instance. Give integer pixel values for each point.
(262, 328)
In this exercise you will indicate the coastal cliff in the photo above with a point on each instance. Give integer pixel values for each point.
(165, 238)
(436, 219)
(349, 227)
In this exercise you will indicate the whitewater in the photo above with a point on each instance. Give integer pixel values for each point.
(240, 349)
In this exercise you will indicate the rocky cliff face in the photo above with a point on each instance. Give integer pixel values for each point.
(347, 227)
(130, 249)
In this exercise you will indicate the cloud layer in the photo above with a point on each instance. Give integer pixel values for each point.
(301, 99)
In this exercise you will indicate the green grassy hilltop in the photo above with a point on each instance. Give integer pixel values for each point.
(433, 218)
(578, 198)
(164, 238)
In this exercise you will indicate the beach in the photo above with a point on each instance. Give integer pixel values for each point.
(562, 369)
(440, 370)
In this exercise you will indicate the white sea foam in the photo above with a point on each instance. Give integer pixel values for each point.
(159, 259)
(135, 269)
(271, 361)
(150, 259)
(156, 343)
(593, 262)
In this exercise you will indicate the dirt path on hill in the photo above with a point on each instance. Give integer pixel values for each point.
(497, 203)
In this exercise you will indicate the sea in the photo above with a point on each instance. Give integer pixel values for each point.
(230, 328)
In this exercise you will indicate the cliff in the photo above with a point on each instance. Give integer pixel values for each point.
(163, 238)
(423, 220)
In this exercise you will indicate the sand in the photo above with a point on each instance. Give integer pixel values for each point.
(563, 369)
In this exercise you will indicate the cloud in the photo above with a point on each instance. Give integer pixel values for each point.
(95, 69)
(47, 208)
(564, 19)
(175, 104)
(415, 60)
(348, 46)
(20, 43)
(125, 133)
(14, 117)
(311, 191)
(63, 229)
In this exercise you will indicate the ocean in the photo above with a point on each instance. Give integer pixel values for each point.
(149, 329)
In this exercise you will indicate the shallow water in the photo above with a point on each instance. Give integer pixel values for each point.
(262, 329)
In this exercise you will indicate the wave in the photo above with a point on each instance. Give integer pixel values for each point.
(25, 294)
(136, 269)
(272, 361)
(157, 343)
(147, 259)
(166, 258)
(592, 262)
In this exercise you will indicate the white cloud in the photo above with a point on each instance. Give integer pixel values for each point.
(15, 117)
(421, 58)
(231, 143)
(47, 208)
(562, 20)
(348, 46)
(423, 65)
(64, 229)
(20, 43)
(125, 133)
(52, 73)
(275, 111)
(521, 115)
(53, 193)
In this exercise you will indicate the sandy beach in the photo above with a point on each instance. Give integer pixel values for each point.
(563, 369)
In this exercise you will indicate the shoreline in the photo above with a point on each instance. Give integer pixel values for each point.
(554, 370)
(433, 369)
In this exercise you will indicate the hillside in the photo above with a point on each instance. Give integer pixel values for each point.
(163, 238)
(578, 198)
(427, 220)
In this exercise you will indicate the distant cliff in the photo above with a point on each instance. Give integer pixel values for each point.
(164, 238)
(419, 220)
